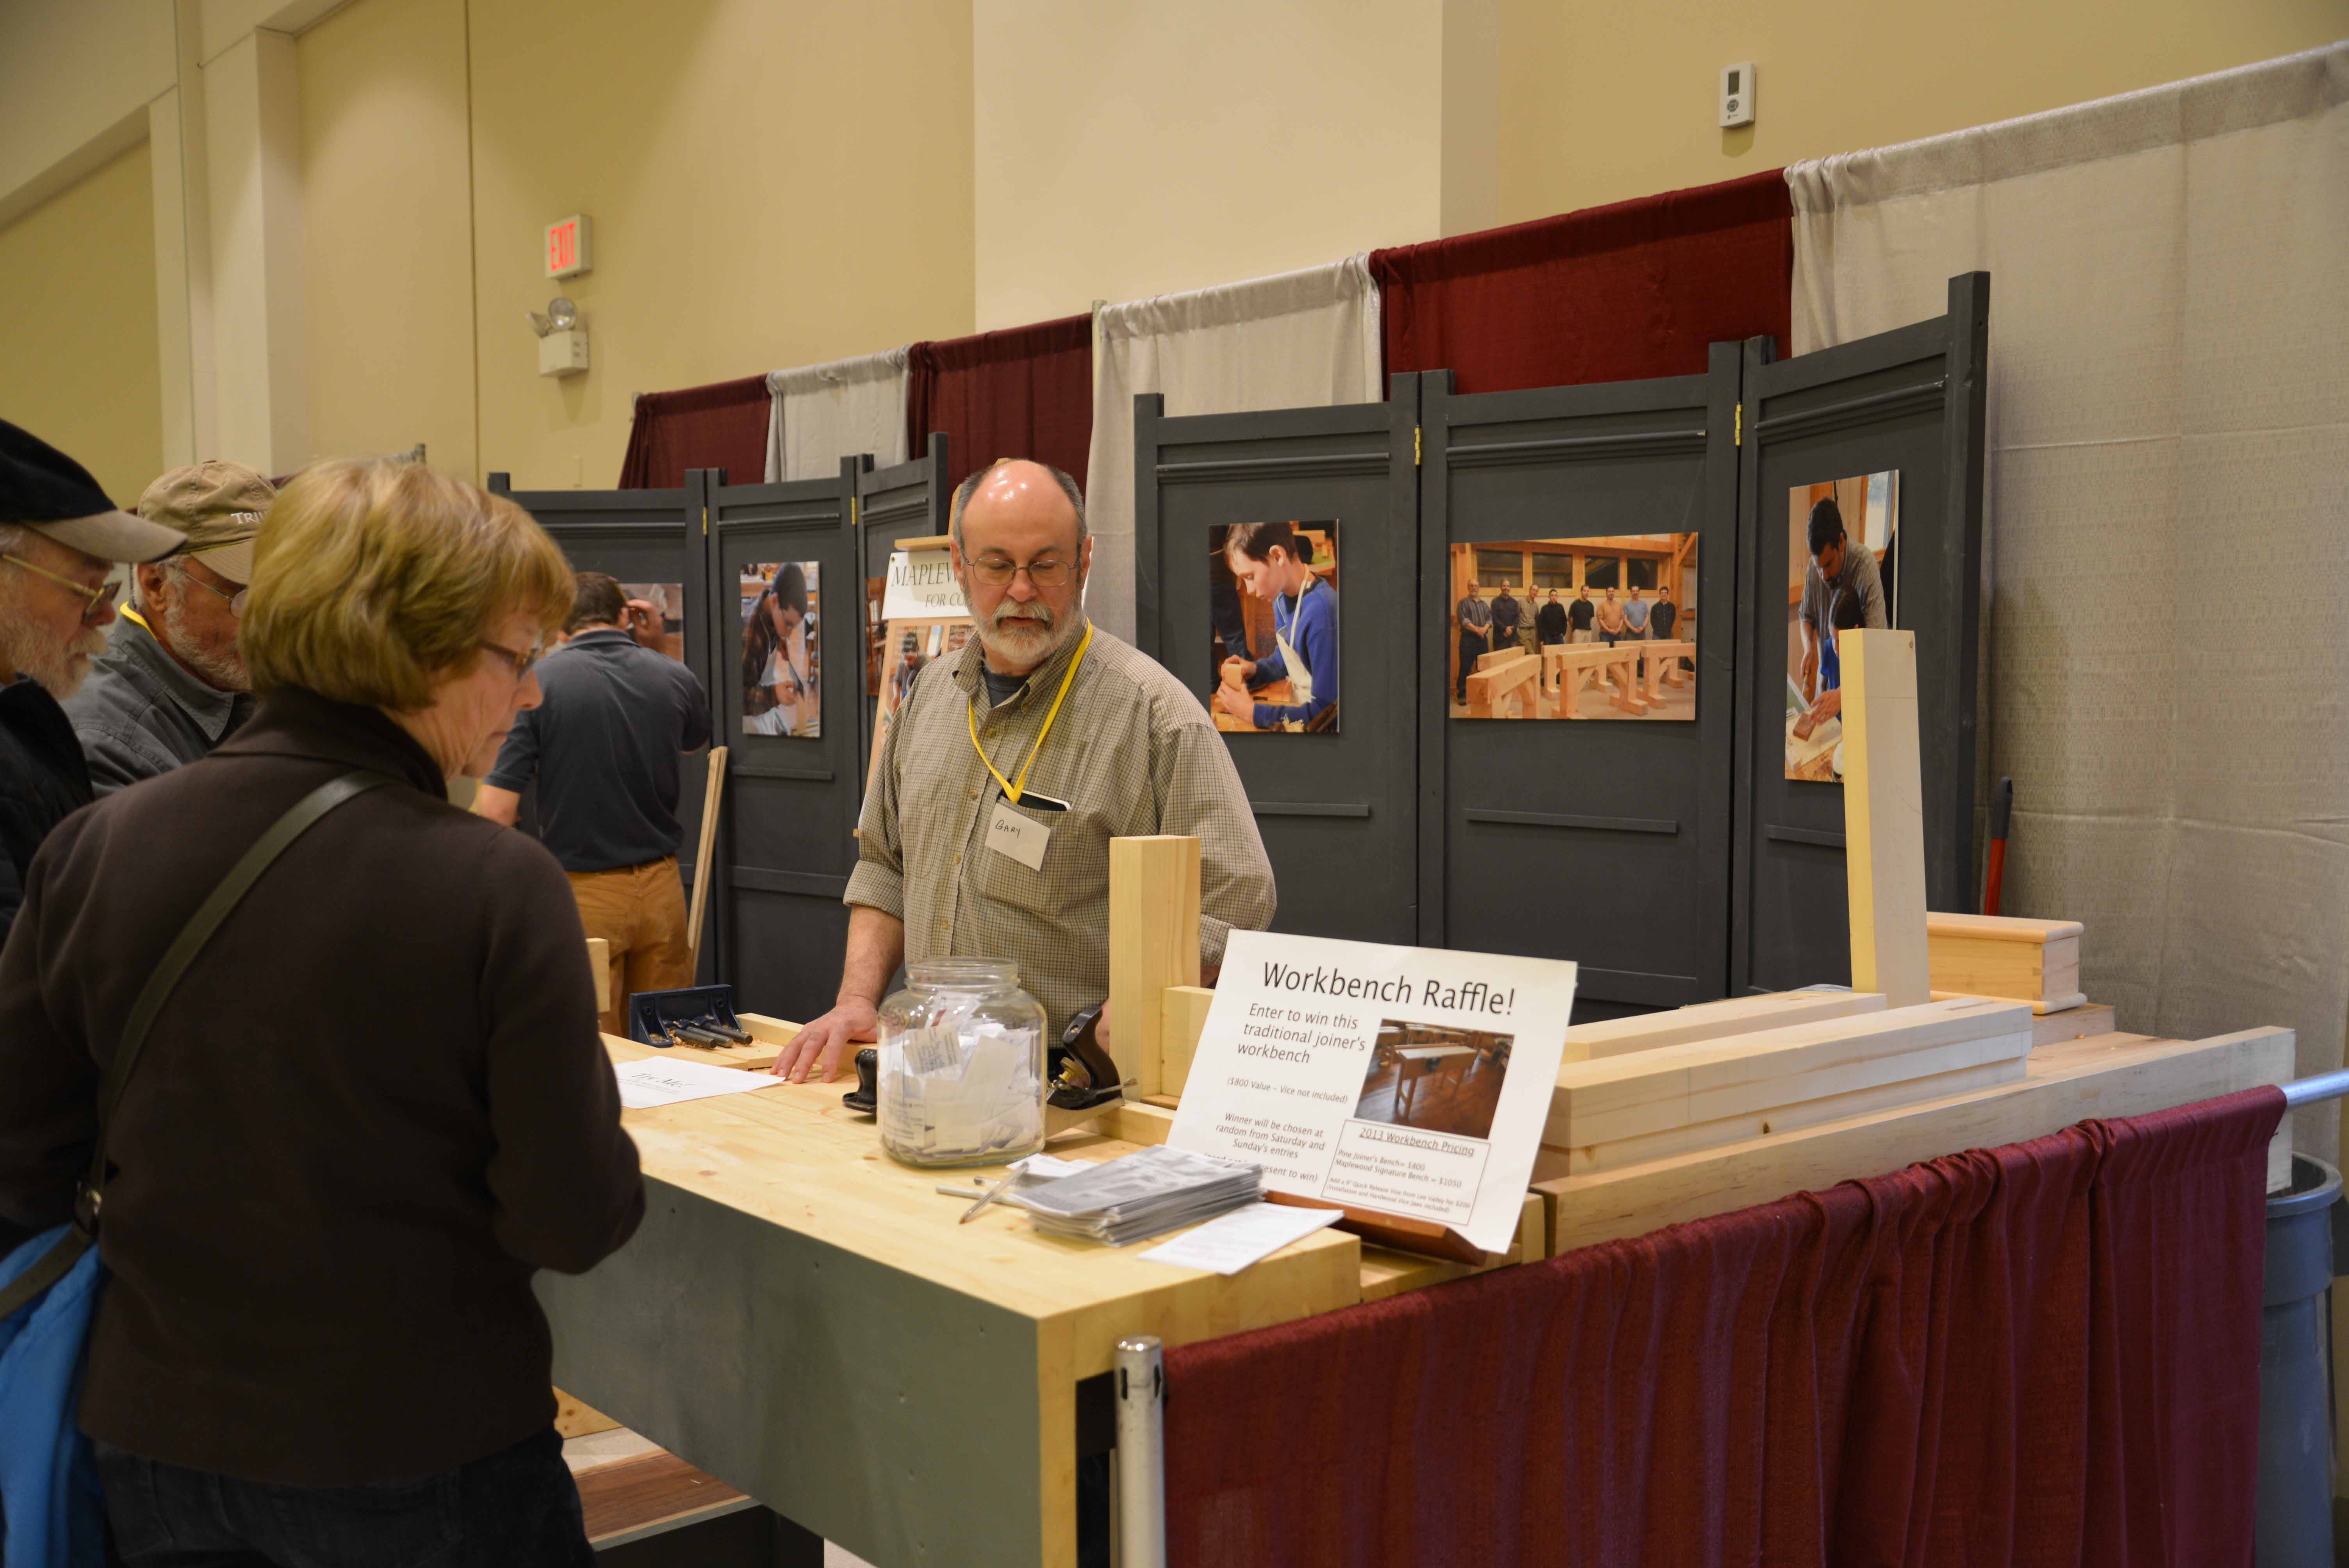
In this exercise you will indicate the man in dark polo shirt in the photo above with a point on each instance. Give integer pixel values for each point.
(603, 746)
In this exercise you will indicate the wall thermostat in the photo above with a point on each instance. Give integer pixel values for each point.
(1737, 94)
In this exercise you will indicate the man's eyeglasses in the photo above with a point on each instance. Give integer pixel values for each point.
(997, 573)
(521, 663)
(98, 600)
(235, 596)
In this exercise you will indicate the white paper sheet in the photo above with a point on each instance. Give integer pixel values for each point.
(1229, 1243)
(653, 1081)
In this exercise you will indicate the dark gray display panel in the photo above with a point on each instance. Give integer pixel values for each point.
(788, 842)
(1337, 808)
(1604, 839)
(905, 501)
(642, 536)
(1907, 402)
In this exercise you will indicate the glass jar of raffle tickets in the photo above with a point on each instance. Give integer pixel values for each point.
(962, 1065)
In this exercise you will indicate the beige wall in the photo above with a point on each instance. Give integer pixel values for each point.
(76, 78)
(388, 262)
(1126, 148)
(771, 185)
(1602, 100)
(77, 354)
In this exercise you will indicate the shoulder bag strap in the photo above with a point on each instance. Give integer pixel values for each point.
(88, 1198)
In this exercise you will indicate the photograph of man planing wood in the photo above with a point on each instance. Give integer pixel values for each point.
(1009, 769)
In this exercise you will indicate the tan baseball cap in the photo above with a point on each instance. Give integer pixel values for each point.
(218, 506)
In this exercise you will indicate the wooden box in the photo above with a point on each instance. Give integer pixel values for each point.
(2034, 961)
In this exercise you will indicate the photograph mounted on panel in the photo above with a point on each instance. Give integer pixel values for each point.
(1843, 571)
(1596, 626)
(912, 645)
(657, 616)
(1438, 1077)
(782, 689)
(1272, 597)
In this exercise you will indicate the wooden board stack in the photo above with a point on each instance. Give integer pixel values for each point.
(2034, 961)
(1661, 1100)
(1713, 1021)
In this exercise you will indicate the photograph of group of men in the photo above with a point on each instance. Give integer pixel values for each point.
(1597, 627)
(1272, 602)
(1842, 572)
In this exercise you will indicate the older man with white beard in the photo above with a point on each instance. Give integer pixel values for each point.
(1010, 768)
(171, 684)
(59, 537)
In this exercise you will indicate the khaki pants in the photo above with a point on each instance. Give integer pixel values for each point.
(640, 911)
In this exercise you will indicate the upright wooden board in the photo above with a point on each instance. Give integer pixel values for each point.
(1184, 1021)
(710, 801)
(1153, 943)
(599, 965)
(1884, 816)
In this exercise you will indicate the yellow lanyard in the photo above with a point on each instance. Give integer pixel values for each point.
(1013, 792)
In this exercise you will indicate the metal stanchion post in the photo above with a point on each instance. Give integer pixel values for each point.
(1140, 1453)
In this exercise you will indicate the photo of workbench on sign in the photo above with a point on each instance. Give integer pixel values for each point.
(1599, 627)
(780, 650)
(1272, 593)
(1434, 1077)
(1843, 571)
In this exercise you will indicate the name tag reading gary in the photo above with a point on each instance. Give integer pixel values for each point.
(1021, 838)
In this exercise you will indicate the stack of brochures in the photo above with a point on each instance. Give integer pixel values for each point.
(1143, 1194)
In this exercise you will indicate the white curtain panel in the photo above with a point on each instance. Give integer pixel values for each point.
(822, 413)
(1297, 340)
(2166, 547)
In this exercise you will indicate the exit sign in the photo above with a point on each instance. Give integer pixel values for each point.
(567, 247)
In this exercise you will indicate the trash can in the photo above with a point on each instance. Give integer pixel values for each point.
(2295, 1485)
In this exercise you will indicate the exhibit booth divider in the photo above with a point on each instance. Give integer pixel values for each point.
(1680, 835)
(766, 592)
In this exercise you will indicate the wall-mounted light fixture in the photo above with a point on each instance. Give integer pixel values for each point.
(562, 338)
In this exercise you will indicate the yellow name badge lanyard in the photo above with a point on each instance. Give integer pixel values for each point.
(1012, 791)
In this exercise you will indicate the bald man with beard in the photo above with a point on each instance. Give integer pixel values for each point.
(1009, 769)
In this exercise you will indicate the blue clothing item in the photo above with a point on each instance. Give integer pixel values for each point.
(1308, 625)
(48, 1481)
(1635, 614)
(1830, 666)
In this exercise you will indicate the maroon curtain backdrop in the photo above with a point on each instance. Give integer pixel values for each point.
(2038, 1355)
(720, 426)
(1610, 293)
(1023, 392)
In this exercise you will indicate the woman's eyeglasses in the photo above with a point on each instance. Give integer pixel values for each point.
(521, 663)
(98, 600)
(997, 572)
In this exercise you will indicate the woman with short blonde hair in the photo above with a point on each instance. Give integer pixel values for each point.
(376, 1101)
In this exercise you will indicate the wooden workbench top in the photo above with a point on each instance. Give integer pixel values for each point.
(794, 1156)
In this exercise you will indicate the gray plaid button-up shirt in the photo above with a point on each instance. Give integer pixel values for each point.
(1131, 753)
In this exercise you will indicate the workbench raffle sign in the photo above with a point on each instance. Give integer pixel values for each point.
(1406, 1080)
